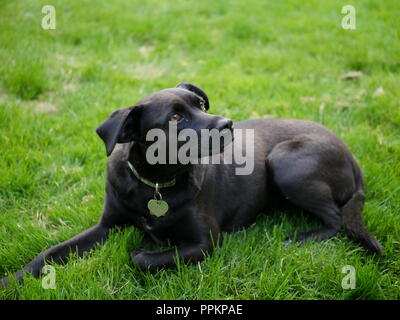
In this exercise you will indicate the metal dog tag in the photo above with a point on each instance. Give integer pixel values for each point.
(157, 208)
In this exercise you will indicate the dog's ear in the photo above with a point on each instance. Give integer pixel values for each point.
(122, 126)
(196, 90)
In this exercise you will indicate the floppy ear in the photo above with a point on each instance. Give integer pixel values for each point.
(196, 90)
(122, 126)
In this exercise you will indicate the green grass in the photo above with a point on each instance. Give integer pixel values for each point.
(254, 59)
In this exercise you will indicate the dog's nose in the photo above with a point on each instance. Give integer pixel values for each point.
(224, 124)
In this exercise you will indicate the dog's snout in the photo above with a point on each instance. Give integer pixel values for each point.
(224, 124)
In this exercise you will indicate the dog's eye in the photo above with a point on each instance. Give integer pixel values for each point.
(175, 118)
(203, 106)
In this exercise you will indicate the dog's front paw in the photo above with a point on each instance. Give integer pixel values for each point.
(140, 259)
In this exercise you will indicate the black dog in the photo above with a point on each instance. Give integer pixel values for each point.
(301, 161)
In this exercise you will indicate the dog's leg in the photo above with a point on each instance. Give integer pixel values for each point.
(59, 253)
(316, 198)
(151, 261)
(308, 175)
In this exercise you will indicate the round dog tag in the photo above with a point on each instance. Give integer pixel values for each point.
(157, 207)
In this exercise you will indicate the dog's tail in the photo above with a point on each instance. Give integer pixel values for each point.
(352, 218)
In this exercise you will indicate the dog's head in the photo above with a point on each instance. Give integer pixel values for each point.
(183, 107)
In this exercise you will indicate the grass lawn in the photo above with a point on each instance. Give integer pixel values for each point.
(254, 59)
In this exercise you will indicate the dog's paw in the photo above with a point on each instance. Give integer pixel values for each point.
(140, 259)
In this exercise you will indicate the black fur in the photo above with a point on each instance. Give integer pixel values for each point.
(302, 161)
